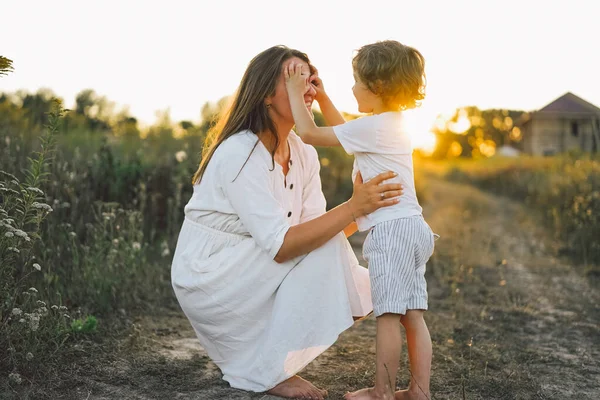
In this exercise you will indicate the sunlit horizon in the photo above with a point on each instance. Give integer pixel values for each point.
(150, 58)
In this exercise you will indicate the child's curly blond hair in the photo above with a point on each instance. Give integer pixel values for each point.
(393, 71)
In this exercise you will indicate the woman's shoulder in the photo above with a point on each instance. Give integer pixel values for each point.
(240, 149)
(238, 143)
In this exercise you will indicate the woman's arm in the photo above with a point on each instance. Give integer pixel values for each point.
(367, 197)
(306, 128)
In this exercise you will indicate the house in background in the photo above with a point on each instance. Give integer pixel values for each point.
(568, 123)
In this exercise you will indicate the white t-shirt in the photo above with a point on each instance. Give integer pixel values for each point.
(380, 143)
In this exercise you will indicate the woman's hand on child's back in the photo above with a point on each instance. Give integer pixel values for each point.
(370, 196)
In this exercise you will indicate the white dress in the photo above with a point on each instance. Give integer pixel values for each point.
(261, 321)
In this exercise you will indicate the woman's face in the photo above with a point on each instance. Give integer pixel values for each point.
(280, 104)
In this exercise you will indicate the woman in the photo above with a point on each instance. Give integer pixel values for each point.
(263, 273)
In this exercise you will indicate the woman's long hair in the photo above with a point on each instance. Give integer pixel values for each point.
(248, 110)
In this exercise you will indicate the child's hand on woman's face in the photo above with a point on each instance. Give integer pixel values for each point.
(296, 80)
(317, 84)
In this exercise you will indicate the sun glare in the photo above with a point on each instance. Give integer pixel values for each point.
(419, 130)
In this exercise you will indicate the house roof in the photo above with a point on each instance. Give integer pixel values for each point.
(566, 106)
(569, 103)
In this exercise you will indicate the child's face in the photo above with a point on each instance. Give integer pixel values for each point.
(366, 99)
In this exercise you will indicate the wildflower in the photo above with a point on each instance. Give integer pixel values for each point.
(9, 234)
(116, 242)
(34, 322)
(33, 290)
(14, 249)
(20, 233)
(63, 308)
(181, 156)
(17, 311)
(72, 234)
(42, 206)
(35, 190)
(37, 266)
(29, 356)
(15, 378)
(165, 252)
(22, 321)
(54, 307)
(40, 303)
(136, 246)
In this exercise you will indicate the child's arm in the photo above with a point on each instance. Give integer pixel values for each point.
(309, 132)
(332, 116)
(350, 229)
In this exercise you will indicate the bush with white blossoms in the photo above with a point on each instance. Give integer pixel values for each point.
(27, 326)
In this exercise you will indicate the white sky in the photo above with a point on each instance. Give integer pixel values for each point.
(179, 54)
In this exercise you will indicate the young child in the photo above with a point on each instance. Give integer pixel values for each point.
(389, 78)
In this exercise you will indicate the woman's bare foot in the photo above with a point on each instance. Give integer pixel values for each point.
(298, 388)
(368, 394)
(411, 395)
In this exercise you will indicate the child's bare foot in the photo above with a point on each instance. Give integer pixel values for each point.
(368, 394)
(411, 395)
(298, 388)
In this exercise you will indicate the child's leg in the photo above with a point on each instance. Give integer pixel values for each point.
(388, 347)
(418, 342)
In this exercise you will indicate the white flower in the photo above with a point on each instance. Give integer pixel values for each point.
(17, 311)
(14, 249)
(54, 307)
(35, 190)
(116, 242)
(33, 290)
(9, 234)
(136, 246)
(40, 303)
(43, 206)
(15, 378)
(29, 356)
(22, 321)
(181, 156)
(165, 252)
(34, 322)
(72, 234)
(37, 266)
(20, 233)
(63, 308)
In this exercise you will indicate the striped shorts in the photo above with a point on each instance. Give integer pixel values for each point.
(397, 252)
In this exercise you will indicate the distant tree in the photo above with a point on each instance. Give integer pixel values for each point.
(37, 106)
(472, 132)
(5, 66)
(96, 109)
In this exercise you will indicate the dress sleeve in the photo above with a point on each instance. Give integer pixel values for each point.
(248, 189)
(313, 199)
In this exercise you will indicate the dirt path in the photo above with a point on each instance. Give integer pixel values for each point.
(508, 320)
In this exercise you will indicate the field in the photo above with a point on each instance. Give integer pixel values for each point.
(87, 310)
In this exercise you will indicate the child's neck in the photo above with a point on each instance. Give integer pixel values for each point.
(380, 109)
